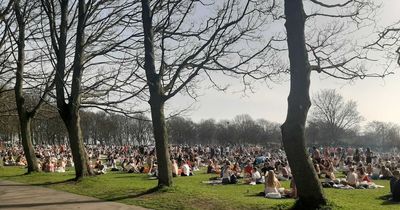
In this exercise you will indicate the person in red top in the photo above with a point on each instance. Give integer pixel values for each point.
(362, 176)
(248, 169)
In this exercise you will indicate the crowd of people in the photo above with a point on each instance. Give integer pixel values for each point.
(231, 164)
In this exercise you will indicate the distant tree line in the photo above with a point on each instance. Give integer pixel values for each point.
(333, 121)
(241, 130)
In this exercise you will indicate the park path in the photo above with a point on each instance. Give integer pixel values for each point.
(22, 196)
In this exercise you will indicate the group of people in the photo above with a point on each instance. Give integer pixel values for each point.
(360, 167)
(253, 164)
(50, 158)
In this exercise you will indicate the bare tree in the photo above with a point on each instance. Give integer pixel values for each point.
(333, 113)
(25, 14)
(383, 134)
(5, 48)
(181, 130)
(326, 57)
(388, 41)
(86, 37)
(179, 48)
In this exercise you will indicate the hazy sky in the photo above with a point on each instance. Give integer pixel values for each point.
(378, 99)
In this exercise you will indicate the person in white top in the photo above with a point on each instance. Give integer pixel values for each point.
(256, 176)
(186, 170)
(272, 185)
(352, 178)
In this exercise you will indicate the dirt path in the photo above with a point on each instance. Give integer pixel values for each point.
(22, 196)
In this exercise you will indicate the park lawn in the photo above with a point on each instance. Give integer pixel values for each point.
(189, 192)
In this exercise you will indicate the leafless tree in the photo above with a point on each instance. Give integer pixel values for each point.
(6, 74)
(322, 54)
(383, 134)
(388, 41)
(88, 42)
(26, 13)
(331, 111)
(185, 38)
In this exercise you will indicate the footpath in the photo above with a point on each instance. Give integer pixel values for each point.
(22, 196)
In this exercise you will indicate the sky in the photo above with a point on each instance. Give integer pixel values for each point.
(377, 99)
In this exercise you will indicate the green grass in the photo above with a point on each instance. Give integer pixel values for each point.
(189, 192)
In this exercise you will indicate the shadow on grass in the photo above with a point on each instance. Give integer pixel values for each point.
(10, 176)
(30, 205)
(147, 192)
(16, 184)
(72, 181)
(387, 200)
(260, 194)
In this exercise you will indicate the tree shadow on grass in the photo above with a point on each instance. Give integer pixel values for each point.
(71, 181)
(147, 192)
(30, 205)
(387, 200)
(16, 184)
(10, 176)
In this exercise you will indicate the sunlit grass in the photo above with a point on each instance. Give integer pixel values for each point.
(190, 192)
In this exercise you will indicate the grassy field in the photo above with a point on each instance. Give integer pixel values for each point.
(190, 192)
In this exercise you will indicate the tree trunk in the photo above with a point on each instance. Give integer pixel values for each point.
(25, 123)
(161, 138)
(309, 188)
(156, 101)
(24, 116)
(78, 150)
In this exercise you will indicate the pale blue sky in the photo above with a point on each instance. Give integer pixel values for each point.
(378, 99)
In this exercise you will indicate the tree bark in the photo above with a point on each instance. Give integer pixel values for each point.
(309, 188)
(156, 101)
(25, 123)
(69, 112)
(78, 150)
(25, 117)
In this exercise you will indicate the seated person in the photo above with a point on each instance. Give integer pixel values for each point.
(330, 177)
(186, 171)
(362, 176)
(9, 161)
(174, 168)
(20, 161)
(272, 184)
(375, 172)
(248, 169)
(369, 170)
(267, 166)
(61, 166)
(385, 173)
(226, 175)
(285, 172)
(210, 167)
(52, 166)
(124, 164)
(131, 167)
(317, 170)
(99, 167)
(352, 178)
(292, 192)
(237, 171)
(70, 162)
(256, 176)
